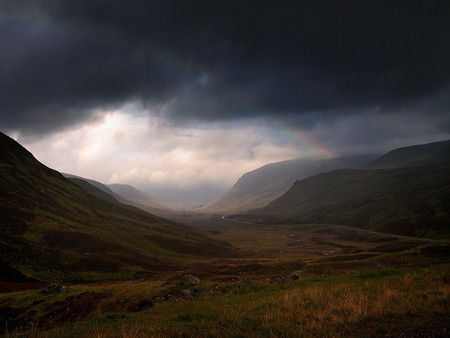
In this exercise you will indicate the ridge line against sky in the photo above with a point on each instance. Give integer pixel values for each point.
(180, 98)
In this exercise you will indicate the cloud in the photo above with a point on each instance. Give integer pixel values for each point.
(189, 95)
(63, 62)
(188, 165)
(376, 132)
(125, 147)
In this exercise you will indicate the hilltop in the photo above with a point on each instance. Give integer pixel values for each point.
(412, 197)
(259, 187)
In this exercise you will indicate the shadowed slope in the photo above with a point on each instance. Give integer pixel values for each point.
(261, 186)
(81, 181)
(85, 185)
(414, 200)
(125, 194)
(53, 229)
(423, 154)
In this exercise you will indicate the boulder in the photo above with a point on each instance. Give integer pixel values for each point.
(188, 280)
(53, 289)
(294, 275)
(188, 293)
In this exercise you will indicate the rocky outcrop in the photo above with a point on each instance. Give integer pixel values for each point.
(294, 275)
(188, 280)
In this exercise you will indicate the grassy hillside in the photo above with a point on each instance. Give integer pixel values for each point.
(52, 229)
(418, 155)
(411, 201)
(79, 181)
(125, 194)
(85, 185)
(352, 283)
(263, 185)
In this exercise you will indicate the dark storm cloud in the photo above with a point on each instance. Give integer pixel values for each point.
(62, 60)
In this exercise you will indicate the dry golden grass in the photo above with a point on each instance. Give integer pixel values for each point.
(345, 305)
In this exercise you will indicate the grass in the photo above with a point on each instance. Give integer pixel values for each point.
(70, 233)
(355, 282)
(367, 293)
(411, 201)
(354, 303)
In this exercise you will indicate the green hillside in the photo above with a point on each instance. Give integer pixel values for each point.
(125, 194)
(413, 201)
(81, 181)
(259, 187)
(52, 229)
(417, 155)
(85, 185)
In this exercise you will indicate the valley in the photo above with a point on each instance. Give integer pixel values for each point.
(351, 282)
(85, 259)
(224, 169)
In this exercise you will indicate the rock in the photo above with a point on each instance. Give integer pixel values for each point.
(53, 289)
(294, 275)
(188, 280)
(188, 293)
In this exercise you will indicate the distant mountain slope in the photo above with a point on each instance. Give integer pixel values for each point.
(125, 194)
(77, 180)
(91, 188)
(261, 186)
(54, 230)
(413, 200)
(416, 155)
(135, 196)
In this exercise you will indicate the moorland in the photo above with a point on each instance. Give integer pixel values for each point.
(348, 252)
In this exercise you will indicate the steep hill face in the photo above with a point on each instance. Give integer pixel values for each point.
(261, 186)
(54, 230)
(411, 200)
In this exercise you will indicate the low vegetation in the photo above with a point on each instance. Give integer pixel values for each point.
(352, 283)
(53, 230)
(126, 273)
(378, 301)
(412, 201)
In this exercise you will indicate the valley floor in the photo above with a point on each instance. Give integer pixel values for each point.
(352, 283)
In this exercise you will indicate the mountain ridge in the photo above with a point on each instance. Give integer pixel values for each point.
(263, 185)
(411, 199)
(125, 194)
(414, 155)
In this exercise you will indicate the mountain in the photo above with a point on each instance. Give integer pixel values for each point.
(423, 154)
(138, 198)
(53, 230)
(261, 186)
(85, 185)
(409, 200)
(92, 186)
(123, 193)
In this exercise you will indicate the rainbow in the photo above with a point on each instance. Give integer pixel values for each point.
(165, 56)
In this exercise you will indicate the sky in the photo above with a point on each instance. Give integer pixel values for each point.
(180, 98)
